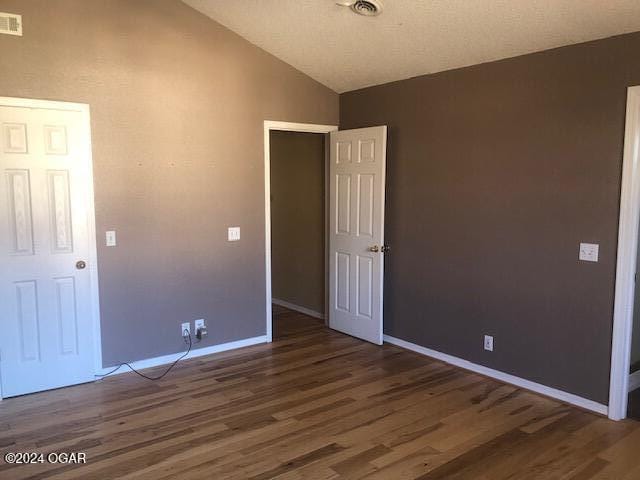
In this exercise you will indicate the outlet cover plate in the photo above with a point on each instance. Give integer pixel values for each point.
(185, 326)
(589, 252)
(488, 343)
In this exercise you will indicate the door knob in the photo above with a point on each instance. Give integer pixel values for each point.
(80, 265)
(374, 249)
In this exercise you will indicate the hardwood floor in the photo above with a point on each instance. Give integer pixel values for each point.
(315, 404)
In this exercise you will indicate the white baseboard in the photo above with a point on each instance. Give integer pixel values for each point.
(634, 381)
(298, 308)
(503, 377)
(199, 352)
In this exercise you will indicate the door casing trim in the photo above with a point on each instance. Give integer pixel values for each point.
(626, 260)
(270, 125)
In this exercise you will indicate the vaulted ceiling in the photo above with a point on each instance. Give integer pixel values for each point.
(345, 51)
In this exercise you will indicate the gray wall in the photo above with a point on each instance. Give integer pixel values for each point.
(297, 218)
(496, 173)
(177, 105)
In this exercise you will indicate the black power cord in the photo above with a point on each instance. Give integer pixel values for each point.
(185, 334)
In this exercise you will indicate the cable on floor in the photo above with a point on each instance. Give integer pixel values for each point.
(185, 334)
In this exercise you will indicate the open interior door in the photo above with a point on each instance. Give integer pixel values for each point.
(356, 231)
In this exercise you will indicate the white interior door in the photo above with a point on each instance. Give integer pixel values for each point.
(46, 324)
(356, 231)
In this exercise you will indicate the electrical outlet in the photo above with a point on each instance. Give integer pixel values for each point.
(201, 329)
(488, 343)
(185, 326)
(588, 252)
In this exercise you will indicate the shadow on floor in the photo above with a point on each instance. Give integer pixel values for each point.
(633, 410)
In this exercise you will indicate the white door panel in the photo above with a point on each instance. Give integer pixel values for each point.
(357, 182)
(46, 326)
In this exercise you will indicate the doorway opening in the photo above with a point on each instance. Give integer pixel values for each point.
(298, 234)
(354, 172)
(295, 220)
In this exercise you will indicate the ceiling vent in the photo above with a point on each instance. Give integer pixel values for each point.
(368, 8)
(10, 24)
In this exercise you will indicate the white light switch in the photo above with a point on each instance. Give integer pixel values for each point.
(234, 234)
(111, 238)
(589, 252)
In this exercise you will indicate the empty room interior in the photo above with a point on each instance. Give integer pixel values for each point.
(319, 239)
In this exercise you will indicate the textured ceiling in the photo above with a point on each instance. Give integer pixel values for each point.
(414, 37)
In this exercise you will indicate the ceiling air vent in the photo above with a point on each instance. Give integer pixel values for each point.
(10, 24)
(368, 8)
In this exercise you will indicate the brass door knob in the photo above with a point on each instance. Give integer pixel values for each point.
(81, 265)
(374, 249)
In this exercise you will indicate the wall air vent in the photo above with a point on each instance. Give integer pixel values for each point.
(10, 24)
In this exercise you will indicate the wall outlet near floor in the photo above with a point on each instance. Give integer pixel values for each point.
(201, 329)
(488, 343)
(185, 326)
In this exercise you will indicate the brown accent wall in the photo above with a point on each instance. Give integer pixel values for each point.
(177, 105)
(496, 173)
(297, 218)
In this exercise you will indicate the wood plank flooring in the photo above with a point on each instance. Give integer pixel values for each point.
(315, 404)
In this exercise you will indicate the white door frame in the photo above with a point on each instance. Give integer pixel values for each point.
(270, 125)
(626, 261)
(83, 109)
